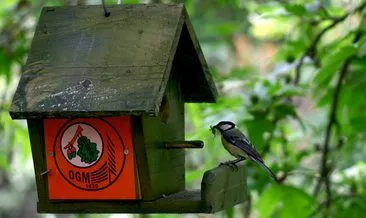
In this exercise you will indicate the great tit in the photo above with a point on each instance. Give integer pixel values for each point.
(238, 145)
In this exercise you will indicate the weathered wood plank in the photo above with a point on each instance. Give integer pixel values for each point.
(35, 129)
(136, 35)
(81, 61)
(141, 158)
(224, 187)
(183, 202)
(103, 90)
(166, 166)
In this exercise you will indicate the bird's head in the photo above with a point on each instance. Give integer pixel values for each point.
(222, 126)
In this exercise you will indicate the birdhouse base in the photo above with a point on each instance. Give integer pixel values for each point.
(221, 188)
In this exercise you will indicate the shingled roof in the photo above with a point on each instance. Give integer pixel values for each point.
(84, 64)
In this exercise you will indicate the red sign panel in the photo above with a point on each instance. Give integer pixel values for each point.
(90, 158)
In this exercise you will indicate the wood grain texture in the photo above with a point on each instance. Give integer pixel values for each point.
(141, 158)
(184, 144)
(84, 64)
(224, 187)
(221, 188)
(183, 202)
(166, 166)
(35, 129)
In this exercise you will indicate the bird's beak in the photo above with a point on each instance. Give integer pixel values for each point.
(212, 128)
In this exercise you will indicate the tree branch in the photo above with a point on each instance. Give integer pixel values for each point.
(267, 146)
(311, 50)
(335, 198)
(332, 117)
(324, 168)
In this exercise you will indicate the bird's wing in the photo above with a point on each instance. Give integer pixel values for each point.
(238, 134)
(237, 138)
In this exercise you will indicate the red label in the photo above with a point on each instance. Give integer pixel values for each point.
(90, 158)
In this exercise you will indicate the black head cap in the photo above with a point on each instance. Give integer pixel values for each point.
(223, 126)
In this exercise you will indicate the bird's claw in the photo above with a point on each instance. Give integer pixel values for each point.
(230, 164)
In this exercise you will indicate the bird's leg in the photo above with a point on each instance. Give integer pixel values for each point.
(237, 160)
(232, 163)
(229, 164)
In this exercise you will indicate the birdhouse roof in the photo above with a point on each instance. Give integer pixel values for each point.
(82, 63)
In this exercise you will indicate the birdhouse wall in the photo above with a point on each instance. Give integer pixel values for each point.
(166, 172)
(77, 182)
(35, 129)
(90, 158)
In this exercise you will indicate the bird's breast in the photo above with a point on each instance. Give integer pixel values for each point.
(232, 149)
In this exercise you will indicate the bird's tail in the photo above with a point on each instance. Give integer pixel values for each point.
(266, 168)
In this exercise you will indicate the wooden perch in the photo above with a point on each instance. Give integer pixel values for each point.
(223, 187)
(184, 144)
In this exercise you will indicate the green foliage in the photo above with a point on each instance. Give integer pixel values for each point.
(354, 208)
(285, 202)
(295, 9)
(332, 63)
(286, 121)
(88, 151)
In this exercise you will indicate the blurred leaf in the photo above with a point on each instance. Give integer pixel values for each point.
(4, 164)
(283, 110)
(350, 208)
(241, 73)
(336, 10)
(192, 176)
(294, 48)
(226, 29)
(256, 128)
(359, 123)
(265, 8)
(332, 64)
(362, 26)
(285, 201)
(130, 1)
(5, 65)
(230, 212)
(361, 48)
(224, 105)
(194, 113)
(324, 97)
(295, 9)
(274, 88)
(288, 91)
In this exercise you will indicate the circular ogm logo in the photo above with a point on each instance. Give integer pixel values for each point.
(89, 153)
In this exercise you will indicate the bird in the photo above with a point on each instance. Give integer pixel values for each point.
(238, 145)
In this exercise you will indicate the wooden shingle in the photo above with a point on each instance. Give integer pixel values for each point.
(84, 64)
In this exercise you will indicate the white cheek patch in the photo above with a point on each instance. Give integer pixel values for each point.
(226, 126)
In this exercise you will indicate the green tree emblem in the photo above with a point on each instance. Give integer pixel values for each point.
(88, 151)
(71, 155)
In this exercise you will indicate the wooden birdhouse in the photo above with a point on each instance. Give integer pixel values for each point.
(104, 101)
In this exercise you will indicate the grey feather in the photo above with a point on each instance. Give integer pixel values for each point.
(237, 138)
(267, 169)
